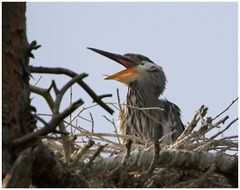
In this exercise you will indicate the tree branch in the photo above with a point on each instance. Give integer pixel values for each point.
(64, 89)
(59, 70)
(56, 119)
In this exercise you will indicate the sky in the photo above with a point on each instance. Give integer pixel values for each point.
(195, 43)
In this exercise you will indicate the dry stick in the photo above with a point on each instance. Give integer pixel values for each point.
(186, 135)
(76, 127)
(128, 147)
(119, 102)
(220, 132)
(87, 133)
(81, 117)
(54, 122)
(98, 151)
(70, 73)
(203, 131)
(112, 135)
(226, 109)
(54, 106)
(99, 138)
(230, 137)
(209, 143)
(64, 89)
(54, 87)
(81, 152)
(115, 127)
(44, 93)
(104, 96)
(41, 120)
(134, 107)
(92, 121)
(206, 127)
(154, 160)
(222, 121)
(38, 80)
(44, 114)
(70, 116)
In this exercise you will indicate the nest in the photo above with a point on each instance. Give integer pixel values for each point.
(201, 157)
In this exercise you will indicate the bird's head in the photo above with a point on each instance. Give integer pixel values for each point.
(139, 69)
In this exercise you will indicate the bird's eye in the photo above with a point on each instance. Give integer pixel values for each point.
(137, 59)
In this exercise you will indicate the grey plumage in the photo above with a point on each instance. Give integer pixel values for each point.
(145, 115)
(144, 92)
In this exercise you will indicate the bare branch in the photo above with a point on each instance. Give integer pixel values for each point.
(119, 101)
(92, 121)
(128, 152)
(70, 73)
(56, 119)
(115, 127)
(65, 87)
(81, 152)
(38, 81)
(98, 151)
(225, 109)
(226, 128)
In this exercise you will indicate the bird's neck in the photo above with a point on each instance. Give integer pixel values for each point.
(139, 97)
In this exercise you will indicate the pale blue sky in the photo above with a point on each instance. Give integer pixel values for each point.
(195, 43)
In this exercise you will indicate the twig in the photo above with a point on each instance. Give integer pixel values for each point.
(44, 93)
(98, 151)
(44, 114)
(119, 102)
(56, 119)
(81, 152)
(70, 73)
(65, 87)
(54, 106)
(38, 81)
(54, 87)
(230, 137)
(225, 109)
(92, 121)
(154, 160)
(222, 120)
(115, 127)
(112, 135)
(202, 111)
(220, 132)
(70, 116)
(41, 120)
(128, 152)
(104, 96)
(88, 120)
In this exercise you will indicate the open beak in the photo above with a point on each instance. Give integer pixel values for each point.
(126, 76)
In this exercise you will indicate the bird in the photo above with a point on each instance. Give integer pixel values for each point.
(144, 114)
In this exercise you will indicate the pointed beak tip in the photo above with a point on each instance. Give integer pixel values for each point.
(126, 62)
(90, 48)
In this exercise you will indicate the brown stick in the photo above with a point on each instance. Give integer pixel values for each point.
(59, 70)
(56, 119)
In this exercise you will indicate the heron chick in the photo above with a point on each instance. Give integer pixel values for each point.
(145, 115)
